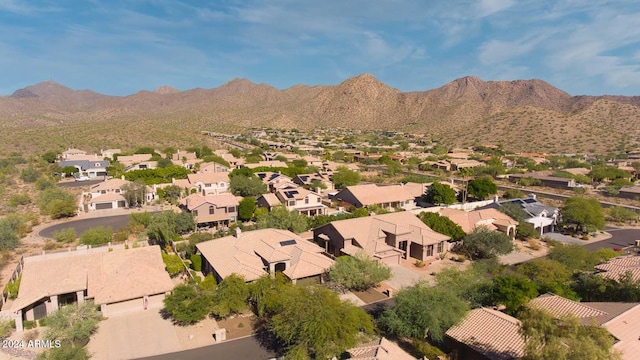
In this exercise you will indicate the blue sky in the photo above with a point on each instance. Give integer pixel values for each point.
(119, 47)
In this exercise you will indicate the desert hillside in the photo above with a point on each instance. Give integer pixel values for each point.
(522, 115)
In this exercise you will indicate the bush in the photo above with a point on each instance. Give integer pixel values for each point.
(97, 236)
(6, 327)
(533, 244)
(29, 324)
(173, 264)
(43, 321)
(358, 272)
(65, 352)
(30, 175)
(426, 350)
(67, 235)
(57, 203)
(11, 290)
(121, 235)
(196, 262)
(19, 199)
(73, 323)
(483, 243)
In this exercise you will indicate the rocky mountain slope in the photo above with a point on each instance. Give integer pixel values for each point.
(522, 115)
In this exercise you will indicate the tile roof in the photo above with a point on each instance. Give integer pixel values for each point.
(208, 178)
(370, 194)
(108, 197)
(559, 307)
(109, 184)
(369, 231)
(469, 220)
(108, 276)
(221, 200)
(246, 255)
(620, 266)
(490, 332)
(381, 349)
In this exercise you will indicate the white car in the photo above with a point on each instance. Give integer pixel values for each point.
(82, 178)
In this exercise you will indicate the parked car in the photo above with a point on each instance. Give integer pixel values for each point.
(82, 178)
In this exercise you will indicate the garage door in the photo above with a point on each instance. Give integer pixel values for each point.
(104, 206)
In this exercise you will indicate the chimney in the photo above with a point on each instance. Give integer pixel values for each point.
(122, 177)
(532, 196)
(495, 198)
(318, 190)
(238, 231)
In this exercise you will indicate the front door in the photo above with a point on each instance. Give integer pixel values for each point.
(402, 245)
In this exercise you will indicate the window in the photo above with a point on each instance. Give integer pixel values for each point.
(306, 200)
(231, 209)
(117, 191)
(222, 185)
(319, 200)
(195, 212)
(292, 203)
(211, 210)
(103, 191)
(430, 250)
(440, 247)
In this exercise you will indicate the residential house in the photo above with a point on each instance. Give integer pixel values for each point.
(268, 201)
(310, 180)
(71, 153)
(386, 238)
(234, 162)
(294, 197)
(212, 167)
(130, 160)
(185, 159)
(491, 218)
(542, 217)
(545, 180)
(621, 319)
(109, 195)
(91, 168)
(117, 280)
(379, 349)
(630, 192)
(275, 163)
(486, 334)
(109, 153)
(212, 210)
(142, 166)
(210, 183)
(273, 179)
(255, 253)
(385, 196)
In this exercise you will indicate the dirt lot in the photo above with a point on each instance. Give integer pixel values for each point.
(238, 325)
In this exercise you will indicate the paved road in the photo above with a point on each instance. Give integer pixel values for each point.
(242, 349)
(620, 238)
(80, 226)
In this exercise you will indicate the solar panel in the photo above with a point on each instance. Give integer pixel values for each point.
(287, 242)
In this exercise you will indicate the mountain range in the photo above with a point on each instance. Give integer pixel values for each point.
(522, 115)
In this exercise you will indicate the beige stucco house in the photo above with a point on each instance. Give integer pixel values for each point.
(212, 210)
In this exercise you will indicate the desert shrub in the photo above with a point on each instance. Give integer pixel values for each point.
(121, 235)
(6, 327)
(97, 236)
(426, 350)
(30, 175)
(67, 235)
(19, 199)
(11, 290)
(73, 323)
(29, 324)
(172, 263)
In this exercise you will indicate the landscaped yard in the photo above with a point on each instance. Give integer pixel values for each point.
(370, 295)
(238, 325)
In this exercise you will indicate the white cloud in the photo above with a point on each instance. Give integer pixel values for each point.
(490, 7)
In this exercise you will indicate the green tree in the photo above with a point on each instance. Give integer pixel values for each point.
(564, 339)
(513, 291)
(584, 214)
(135, 193)
(68, 170)
(549, 276)
(264, 289)
(9, 238)
(246, 208)
(65, 352)
(358, 272)
(472, 284)
(344, 177)
(73, 323)
(247, 186)
(482, 187)
(50, 156)
(513, 194)
(312, 322)
(578, 258)
(280, 218)
(231, 296)
(442, 224)
(187, 304)
(439, 194)
(422, 311)
(170, 193)
(483, 243)
(99, 235)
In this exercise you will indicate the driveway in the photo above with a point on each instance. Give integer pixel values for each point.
(402, 277)
(133, 335)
